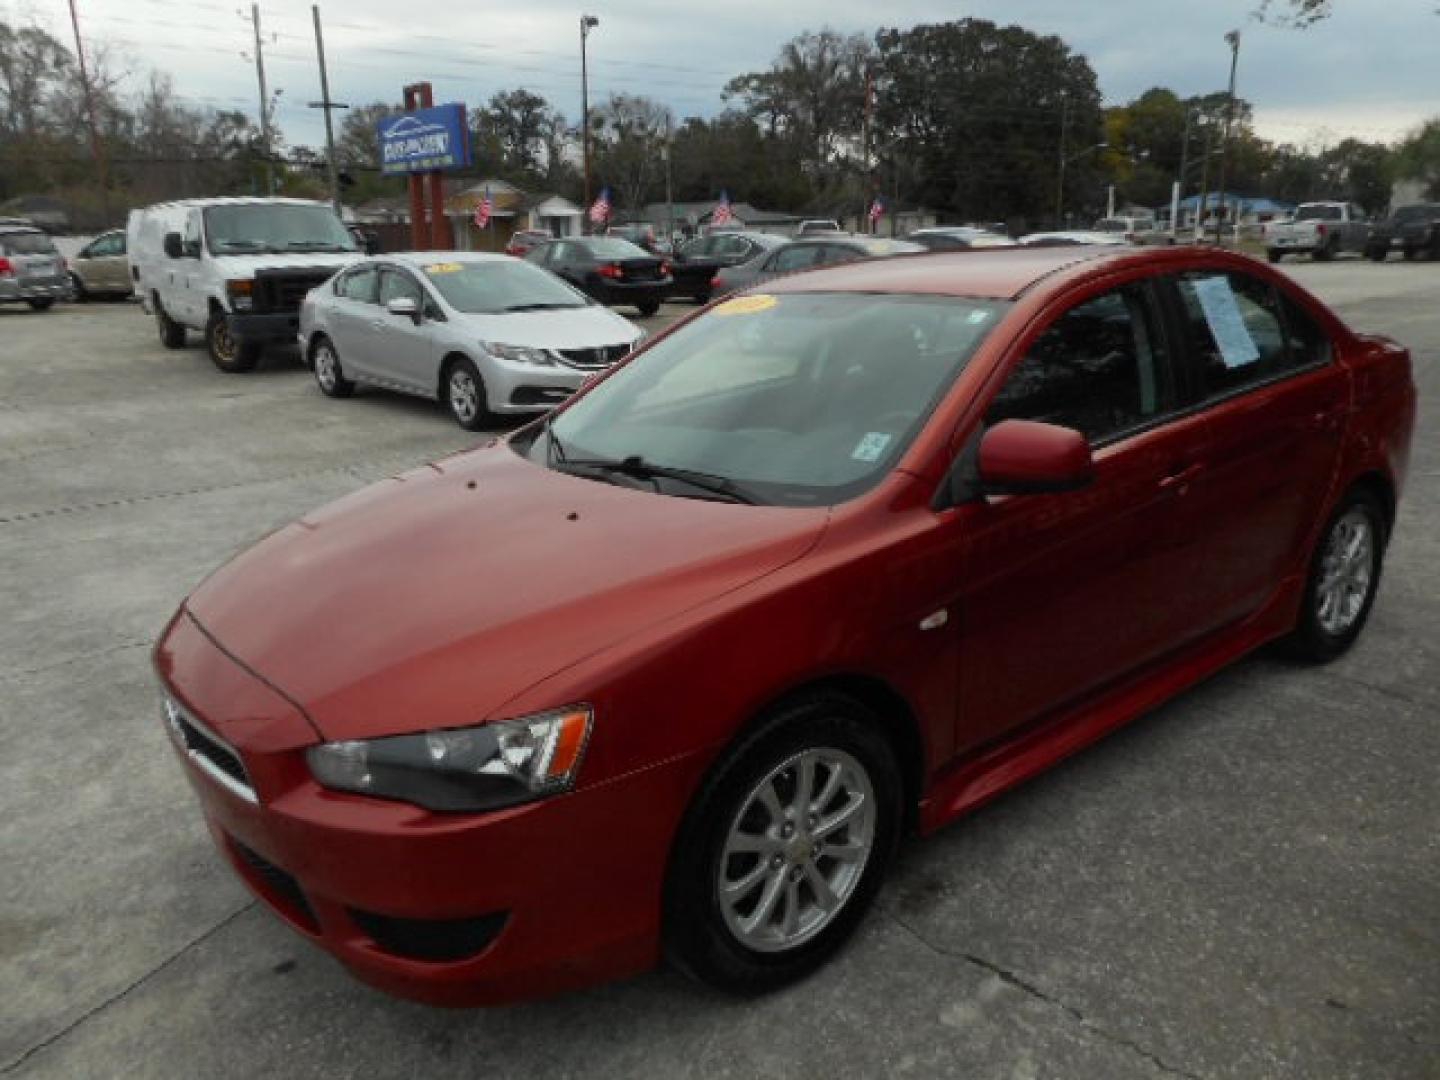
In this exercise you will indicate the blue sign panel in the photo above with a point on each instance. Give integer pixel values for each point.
(424, 140)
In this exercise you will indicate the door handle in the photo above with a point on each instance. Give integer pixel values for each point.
(1178, 481)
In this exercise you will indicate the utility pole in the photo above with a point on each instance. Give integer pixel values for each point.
(264, 104)
(1233, 40)
(328, 105)
(669, 189)
(1060, 183)
(1180, 182)
(1204, 185)
(587, 23)
(96, 149)
(866, 129)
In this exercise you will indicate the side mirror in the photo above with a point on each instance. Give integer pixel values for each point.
(1023, 457)
(406, 306)
(174, 245)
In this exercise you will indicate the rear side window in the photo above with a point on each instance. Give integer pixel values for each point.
(1099, 368)
(1236, 329)
(795, 258)
(362, 285)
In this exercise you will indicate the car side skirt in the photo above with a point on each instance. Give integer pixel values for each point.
(974, 781)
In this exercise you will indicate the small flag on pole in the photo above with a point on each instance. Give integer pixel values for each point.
(600, 208)
(877, 211)
(722, 214)
(483, 209)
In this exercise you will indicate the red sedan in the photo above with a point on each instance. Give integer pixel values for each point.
(670, 674)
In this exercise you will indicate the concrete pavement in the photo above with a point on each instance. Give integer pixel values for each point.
(1243, 884)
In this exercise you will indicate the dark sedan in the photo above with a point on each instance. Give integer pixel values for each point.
(799, 255)
(609, 269)
(697, 262)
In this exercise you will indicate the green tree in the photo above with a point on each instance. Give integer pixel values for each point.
(627, 142)
(1418, 158)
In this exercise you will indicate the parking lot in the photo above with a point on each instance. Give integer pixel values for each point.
(1244, 884)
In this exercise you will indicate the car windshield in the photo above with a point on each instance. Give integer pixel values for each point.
(797, 399)
(1318, 213)
(27, 243)
(500, 286)
(275, 227)
(616, 248)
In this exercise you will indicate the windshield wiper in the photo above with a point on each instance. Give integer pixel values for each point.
(641, 469)
(314, 245)
(244, 245)
(537, 307)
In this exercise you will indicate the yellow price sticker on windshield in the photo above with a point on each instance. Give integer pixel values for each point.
(746, 305)
(444, 268)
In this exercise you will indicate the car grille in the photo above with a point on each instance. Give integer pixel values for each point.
(282, 890)
(279, 291)
(594, 359)
(209, 752)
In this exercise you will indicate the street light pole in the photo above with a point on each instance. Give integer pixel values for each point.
(332, 168)
(1060, 183)
(264, 104)
(587, 23)
(1233, 40)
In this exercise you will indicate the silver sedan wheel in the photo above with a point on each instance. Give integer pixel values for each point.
(327, 367)
(1347, 572)
(796, 850)
(464, 395)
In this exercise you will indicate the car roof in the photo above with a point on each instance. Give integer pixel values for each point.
(233, 201)
(1002, 273)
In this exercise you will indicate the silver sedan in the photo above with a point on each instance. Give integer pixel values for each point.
(487, 335)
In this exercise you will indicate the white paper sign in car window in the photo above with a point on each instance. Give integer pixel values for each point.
(1227, 325)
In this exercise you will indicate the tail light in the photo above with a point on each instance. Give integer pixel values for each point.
(7, 268)
(611, 270)
(1320, 229)
(715, 282)
(664, 269)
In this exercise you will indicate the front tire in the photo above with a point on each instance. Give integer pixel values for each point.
(650, 307)
(227, 354)
(1344, 577)
(329, 375)
(1379, 254)
(785, 847)
(41, 303)
(465, 396)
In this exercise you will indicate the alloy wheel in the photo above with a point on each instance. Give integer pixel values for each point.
(326, 368)
(1347, 573)
(464, 395)
(796, 850)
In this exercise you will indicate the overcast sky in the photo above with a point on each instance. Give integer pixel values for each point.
(1370, 71)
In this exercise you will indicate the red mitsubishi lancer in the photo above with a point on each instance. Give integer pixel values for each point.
(670, 674)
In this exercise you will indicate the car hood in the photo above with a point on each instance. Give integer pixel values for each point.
(565, 328)
(245, 266)
(432, 599)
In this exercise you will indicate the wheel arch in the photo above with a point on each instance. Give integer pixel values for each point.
(1378, 484)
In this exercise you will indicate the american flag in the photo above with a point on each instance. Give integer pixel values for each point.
(722, 214)
(483, 209)
(877, 210)
(600, 209)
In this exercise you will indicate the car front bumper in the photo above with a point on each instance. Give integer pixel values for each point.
(449, 909)
(264, 328)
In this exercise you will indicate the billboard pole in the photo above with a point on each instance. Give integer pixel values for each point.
(418, 225)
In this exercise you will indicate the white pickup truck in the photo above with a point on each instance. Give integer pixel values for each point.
(1319, 229)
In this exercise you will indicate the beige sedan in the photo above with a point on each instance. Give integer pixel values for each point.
(101, 268)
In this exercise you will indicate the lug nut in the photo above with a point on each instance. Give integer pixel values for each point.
(776, 862)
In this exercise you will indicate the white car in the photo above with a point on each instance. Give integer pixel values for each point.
(1074, 237)
(487, 335)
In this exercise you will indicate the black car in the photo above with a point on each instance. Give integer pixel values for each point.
(697, 262)
(611, 270)
(1415, 230)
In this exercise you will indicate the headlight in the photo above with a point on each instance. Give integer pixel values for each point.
(240, 291)
(462, 769)
(519, 354)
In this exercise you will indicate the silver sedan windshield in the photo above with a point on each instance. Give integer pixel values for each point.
(500, 286)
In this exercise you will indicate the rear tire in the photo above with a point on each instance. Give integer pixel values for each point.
(329, 375)
(1326, 253)
(172, 334)
(227, 354)
(1410, 253)
(1378, 254)
(766, 883)
(650, 307)
(1343, 580)
(42, 303)
(77, 287)
(703, 297)
(1274, 255)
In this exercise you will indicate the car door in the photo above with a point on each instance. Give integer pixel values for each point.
(400, 346)
(191, 270)
(1263, 371)
(1061, 595)
(352, 309)
(108, 268)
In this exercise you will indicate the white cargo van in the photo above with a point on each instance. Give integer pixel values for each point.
(234, 270)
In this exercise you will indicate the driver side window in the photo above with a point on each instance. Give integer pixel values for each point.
(1099, 368)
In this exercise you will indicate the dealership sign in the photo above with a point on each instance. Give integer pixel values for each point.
(424, 140)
